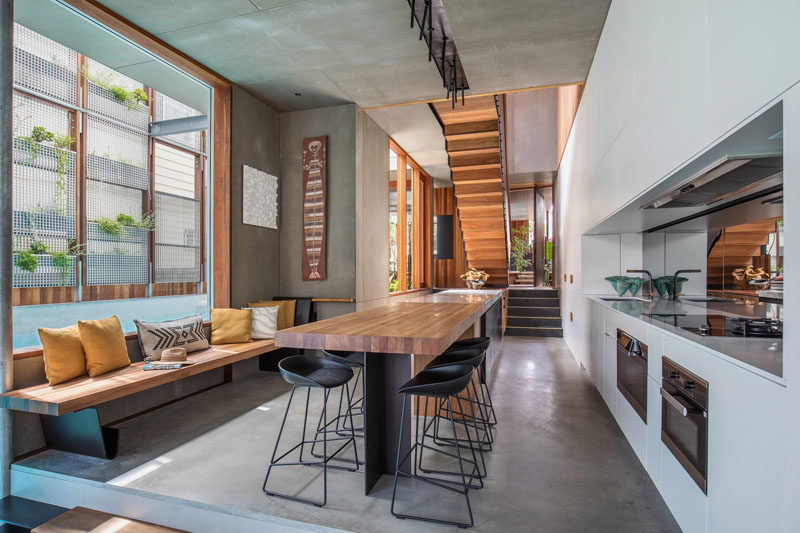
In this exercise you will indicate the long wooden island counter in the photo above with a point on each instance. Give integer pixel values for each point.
(398, 339)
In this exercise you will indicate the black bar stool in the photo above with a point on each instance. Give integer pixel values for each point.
(476, 414)
(355, 406)
(438, 383)
(481, 343)
(313, 373)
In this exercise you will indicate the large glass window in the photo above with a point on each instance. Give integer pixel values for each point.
(103, 209)
(409, 228)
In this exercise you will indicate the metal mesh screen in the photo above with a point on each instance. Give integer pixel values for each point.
(116, 259)
(44, 66)
(168, 108)
(177, 239)
(116, 154)
(111, 94)
(44, 198)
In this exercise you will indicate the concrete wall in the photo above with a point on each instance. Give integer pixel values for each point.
(255, 251)
(532, 143)
(339, 124)
(652, 103)
(372, 210)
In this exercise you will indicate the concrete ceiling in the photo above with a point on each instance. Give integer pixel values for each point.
(525, 43)
(363, 51)
(329, 51)
(415, 128)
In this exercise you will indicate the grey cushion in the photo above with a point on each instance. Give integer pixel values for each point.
(155, 337)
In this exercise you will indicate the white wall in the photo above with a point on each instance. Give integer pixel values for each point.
(669, 80)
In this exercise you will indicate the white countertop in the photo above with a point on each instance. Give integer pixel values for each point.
(763, 356)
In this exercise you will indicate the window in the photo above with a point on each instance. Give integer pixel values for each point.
(103, 209)
(409, 226)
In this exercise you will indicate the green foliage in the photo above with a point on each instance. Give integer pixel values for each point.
(112, 227)
(147, 222)
(131, 99)
(38, 247)
(29, 145)
(27, 261)
(125, 220)
(41, 134)
(140, 95)
(62, 261)
(520, 247)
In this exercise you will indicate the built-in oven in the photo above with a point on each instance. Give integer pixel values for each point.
(684, 419)
(632, 372)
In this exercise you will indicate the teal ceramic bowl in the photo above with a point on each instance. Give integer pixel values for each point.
(661, 286)
(620, 284)
(634, 284)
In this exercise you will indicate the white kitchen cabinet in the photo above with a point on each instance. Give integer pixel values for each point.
(655, 349)
(653, 455)
(683, 497)
(634, 429)
(610, 364)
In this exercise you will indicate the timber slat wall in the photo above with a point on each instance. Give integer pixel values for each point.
(473, 145)
(447, 271)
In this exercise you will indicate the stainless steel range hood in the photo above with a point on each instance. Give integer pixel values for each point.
(726, 179)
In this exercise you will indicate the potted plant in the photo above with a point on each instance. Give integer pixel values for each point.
(521, 248)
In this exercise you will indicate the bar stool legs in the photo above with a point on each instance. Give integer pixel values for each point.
(461, 485)
(325, 458)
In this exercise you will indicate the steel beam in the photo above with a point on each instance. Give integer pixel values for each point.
(6, 324)
(178, 125)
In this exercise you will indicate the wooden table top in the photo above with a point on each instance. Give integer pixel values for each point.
(423, 325)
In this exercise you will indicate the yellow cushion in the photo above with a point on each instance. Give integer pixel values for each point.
(229, 326)
(286, 310)
(63, 354)
(104, 345)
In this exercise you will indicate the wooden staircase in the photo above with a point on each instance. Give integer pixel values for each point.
(473, 145)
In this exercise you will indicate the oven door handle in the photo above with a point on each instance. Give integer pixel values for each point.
(674, 402)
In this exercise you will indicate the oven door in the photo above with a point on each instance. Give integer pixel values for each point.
(632, 372)
(684, 430)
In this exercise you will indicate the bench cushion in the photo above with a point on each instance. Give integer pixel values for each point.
(104, 345)
(87, 392)
(63, 354)
(155, 337)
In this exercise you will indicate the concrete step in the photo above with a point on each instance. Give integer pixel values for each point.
(514, 331)
(514, 301)
(520, 292)
(27, 514)
(534, 321)
(534, 311)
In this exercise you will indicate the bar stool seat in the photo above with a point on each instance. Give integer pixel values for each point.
(311, 372)
(472, 357)
(441, 384)
(480, 343)
(343, 357)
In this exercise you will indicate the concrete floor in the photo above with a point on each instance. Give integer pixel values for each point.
(560, 462)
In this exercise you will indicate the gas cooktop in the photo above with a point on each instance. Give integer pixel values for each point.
(715, 325)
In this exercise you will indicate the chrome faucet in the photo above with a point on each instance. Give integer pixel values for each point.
(650, 283)
(675, 280)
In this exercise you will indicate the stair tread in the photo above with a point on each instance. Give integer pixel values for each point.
(27, 513)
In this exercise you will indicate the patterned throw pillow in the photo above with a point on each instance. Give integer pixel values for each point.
(155, 337)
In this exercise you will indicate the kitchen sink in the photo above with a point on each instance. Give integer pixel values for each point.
(706, 299)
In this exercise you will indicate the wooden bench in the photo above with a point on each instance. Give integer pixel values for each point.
(70, 421)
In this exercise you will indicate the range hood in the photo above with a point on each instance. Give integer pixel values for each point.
(724, 180)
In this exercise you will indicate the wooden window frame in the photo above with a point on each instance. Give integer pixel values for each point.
(220, 125)
(421, 238)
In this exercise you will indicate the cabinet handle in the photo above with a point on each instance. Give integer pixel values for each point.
(675, 404)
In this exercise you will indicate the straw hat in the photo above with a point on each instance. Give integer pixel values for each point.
(176, 356)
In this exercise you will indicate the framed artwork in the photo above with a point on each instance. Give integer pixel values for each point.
(259, 198)
(315, 166)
